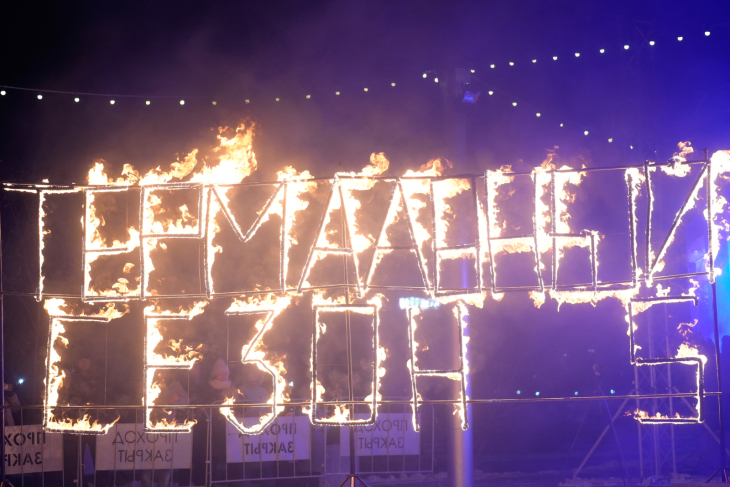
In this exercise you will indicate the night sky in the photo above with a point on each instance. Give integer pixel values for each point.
(280, 65)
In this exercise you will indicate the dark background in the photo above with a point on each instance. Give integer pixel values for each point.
(646, 99)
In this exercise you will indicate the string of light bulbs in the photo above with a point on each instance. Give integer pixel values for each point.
(513, 100)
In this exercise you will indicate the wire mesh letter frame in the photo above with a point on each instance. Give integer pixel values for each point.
(146, 233)
(280, 193)
(695, 361)
(87, 249)
(652, 260)
(459, 373)
(455, 251)
(154, 362)
(533, 239)
(365, 309)
(393, 203)
(316, 251)
(54, 381)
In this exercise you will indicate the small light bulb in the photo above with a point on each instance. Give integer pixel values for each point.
(2, 92)
(277, 99)
(148, 102)
(610, 140)
(602, 51)
(626, 46)
(367, 89)
(575, 393)
(631, 147)
(247, 102)
(613, 392)
(707, 33)
(534, 60)
(511, 63)
(514, 103)
(585, 132)
(555, 58)
(472, 71)
(425, 75)
(40, 97)
(215, 102)
(491, 92)
(561, 124)
(680, 38)
(435, 80)
(651, 43)
(537, 114)
(291, 384)
(21, 380)
(519, 391)
(337, 92)
(309, 96)
(393, 84)
(491, 66)
(111, 102)
(182, 102)
(76, 100)
(577, 54)
(537, 393)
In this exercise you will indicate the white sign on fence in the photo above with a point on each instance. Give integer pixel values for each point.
(392, 434)
(29, 449)
(126, 446)
(287, 438)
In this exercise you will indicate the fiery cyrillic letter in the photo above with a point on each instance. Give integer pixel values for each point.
(150, 230)
(686, 355)
(253, 353)
(342, 412)
(448, 188)
(153, 362)
(383, 246)
(460, 373)
(55, 375)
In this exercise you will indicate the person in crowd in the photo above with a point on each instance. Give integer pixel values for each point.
(221, 385)
(12, 400)
(171, 394)
(85, 386)
(254, 392)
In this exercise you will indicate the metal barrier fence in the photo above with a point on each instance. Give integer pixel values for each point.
(214, 452)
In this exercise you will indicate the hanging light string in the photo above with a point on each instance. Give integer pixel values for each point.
(431, 75)
(705, 33)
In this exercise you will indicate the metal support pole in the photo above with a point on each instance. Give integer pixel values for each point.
(2, 359)
(719, 374)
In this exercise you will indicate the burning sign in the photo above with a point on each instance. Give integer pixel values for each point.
(420, 203)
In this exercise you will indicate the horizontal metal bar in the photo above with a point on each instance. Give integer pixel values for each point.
(458, 247)
(340, 176)
(393, 401)
(333, 250)
(172, 235)
(227, 294)
(667, 299)
(512, 238)
(108, 250)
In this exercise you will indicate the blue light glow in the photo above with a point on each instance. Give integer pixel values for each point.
(405, 303)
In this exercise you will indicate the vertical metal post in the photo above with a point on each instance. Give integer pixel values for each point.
(2, 360)
(461, 458)
(719, 376)
(348, 334)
